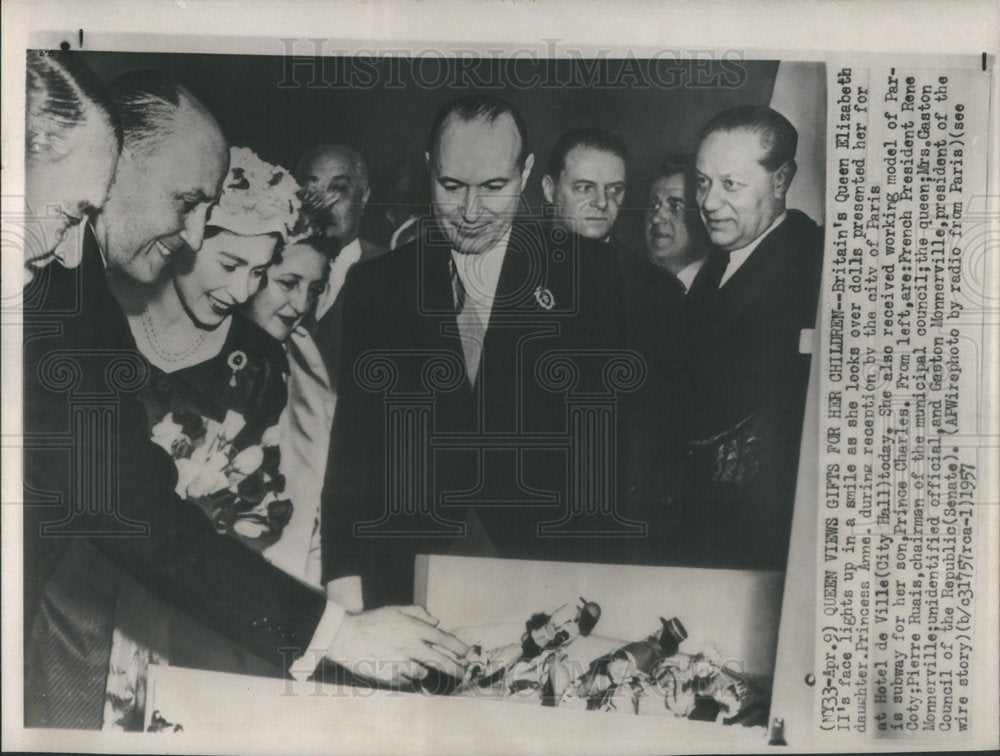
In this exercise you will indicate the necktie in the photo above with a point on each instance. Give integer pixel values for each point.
(470, 328)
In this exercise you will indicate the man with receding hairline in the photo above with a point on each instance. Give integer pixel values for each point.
(172, 163)
(334, 179)
(487, 293)
(745, 313)
(133, 526)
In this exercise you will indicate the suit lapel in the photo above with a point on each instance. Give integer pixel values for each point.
(435, 325)
(743, 289)
(106, 315)
(327, 332)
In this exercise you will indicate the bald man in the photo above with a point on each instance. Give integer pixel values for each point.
(469, 317)
(335, 180)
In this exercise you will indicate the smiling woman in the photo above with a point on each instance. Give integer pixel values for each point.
(213, 402)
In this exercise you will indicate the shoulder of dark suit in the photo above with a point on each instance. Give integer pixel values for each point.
(802, 228)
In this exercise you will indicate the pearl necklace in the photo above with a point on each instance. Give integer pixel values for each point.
(149, 329)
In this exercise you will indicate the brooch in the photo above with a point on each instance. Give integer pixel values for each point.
(237, 361)
(544, 298)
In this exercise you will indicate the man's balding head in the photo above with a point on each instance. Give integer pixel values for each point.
(478, 167)
(334, 179)
(174, 157)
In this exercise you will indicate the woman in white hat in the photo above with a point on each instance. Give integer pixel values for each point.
(216, 391)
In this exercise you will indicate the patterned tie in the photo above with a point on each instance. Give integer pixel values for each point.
(470, 328)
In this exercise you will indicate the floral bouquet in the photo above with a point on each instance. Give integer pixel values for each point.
(238, 489)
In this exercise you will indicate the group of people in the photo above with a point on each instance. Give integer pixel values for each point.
(242, 421)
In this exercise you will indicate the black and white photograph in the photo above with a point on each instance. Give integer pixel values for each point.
(378, 387)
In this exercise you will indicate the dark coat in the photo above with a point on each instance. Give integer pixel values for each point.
(501, 448)
(748, 387)
(87, 444)
(327, 333)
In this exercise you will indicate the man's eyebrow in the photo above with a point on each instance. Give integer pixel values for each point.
(498, 179)
(450, 180)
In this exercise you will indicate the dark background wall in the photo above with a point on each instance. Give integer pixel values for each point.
(280, 106)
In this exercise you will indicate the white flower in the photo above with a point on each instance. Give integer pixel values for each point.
(247, 461)
(206, 482)
(231, 427)
(273, 436)
(187, 471)
(217, 461)
(166, 432)
(249, 528)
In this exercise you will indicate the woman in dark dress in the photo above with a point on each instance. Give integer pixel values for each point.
(213, 402)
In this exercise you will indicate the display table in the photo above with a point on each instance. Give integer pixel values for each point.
(489, 600)
(232, 713)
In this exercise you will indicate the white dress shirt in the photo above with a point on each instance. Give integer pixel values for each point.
(349, 254)
(480, 275)
(394, 241)
(686, 275)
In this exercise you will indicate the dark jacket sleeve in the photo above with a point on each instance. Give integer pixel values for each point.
(653, 423)
(211, 577)
(350, 488)
(354, 489)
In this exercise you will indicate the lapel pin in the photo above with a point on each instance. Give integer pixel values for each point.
(544, 298)
(237, 361)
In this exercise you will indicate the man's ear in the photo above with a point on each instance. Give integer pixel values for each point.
(783, 178)
(529, 163)
(548, 188)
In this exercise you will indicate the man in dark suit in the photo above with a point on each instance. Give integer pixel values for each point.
(111, 508)
(745, 313)
(503, 385)
(334, 178)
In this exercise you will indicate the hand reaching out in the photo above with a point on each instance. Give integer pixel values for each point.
(396, 645)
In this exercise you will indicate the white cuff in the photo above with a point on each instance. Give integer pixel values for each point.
(346, 591)
(303, 667)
